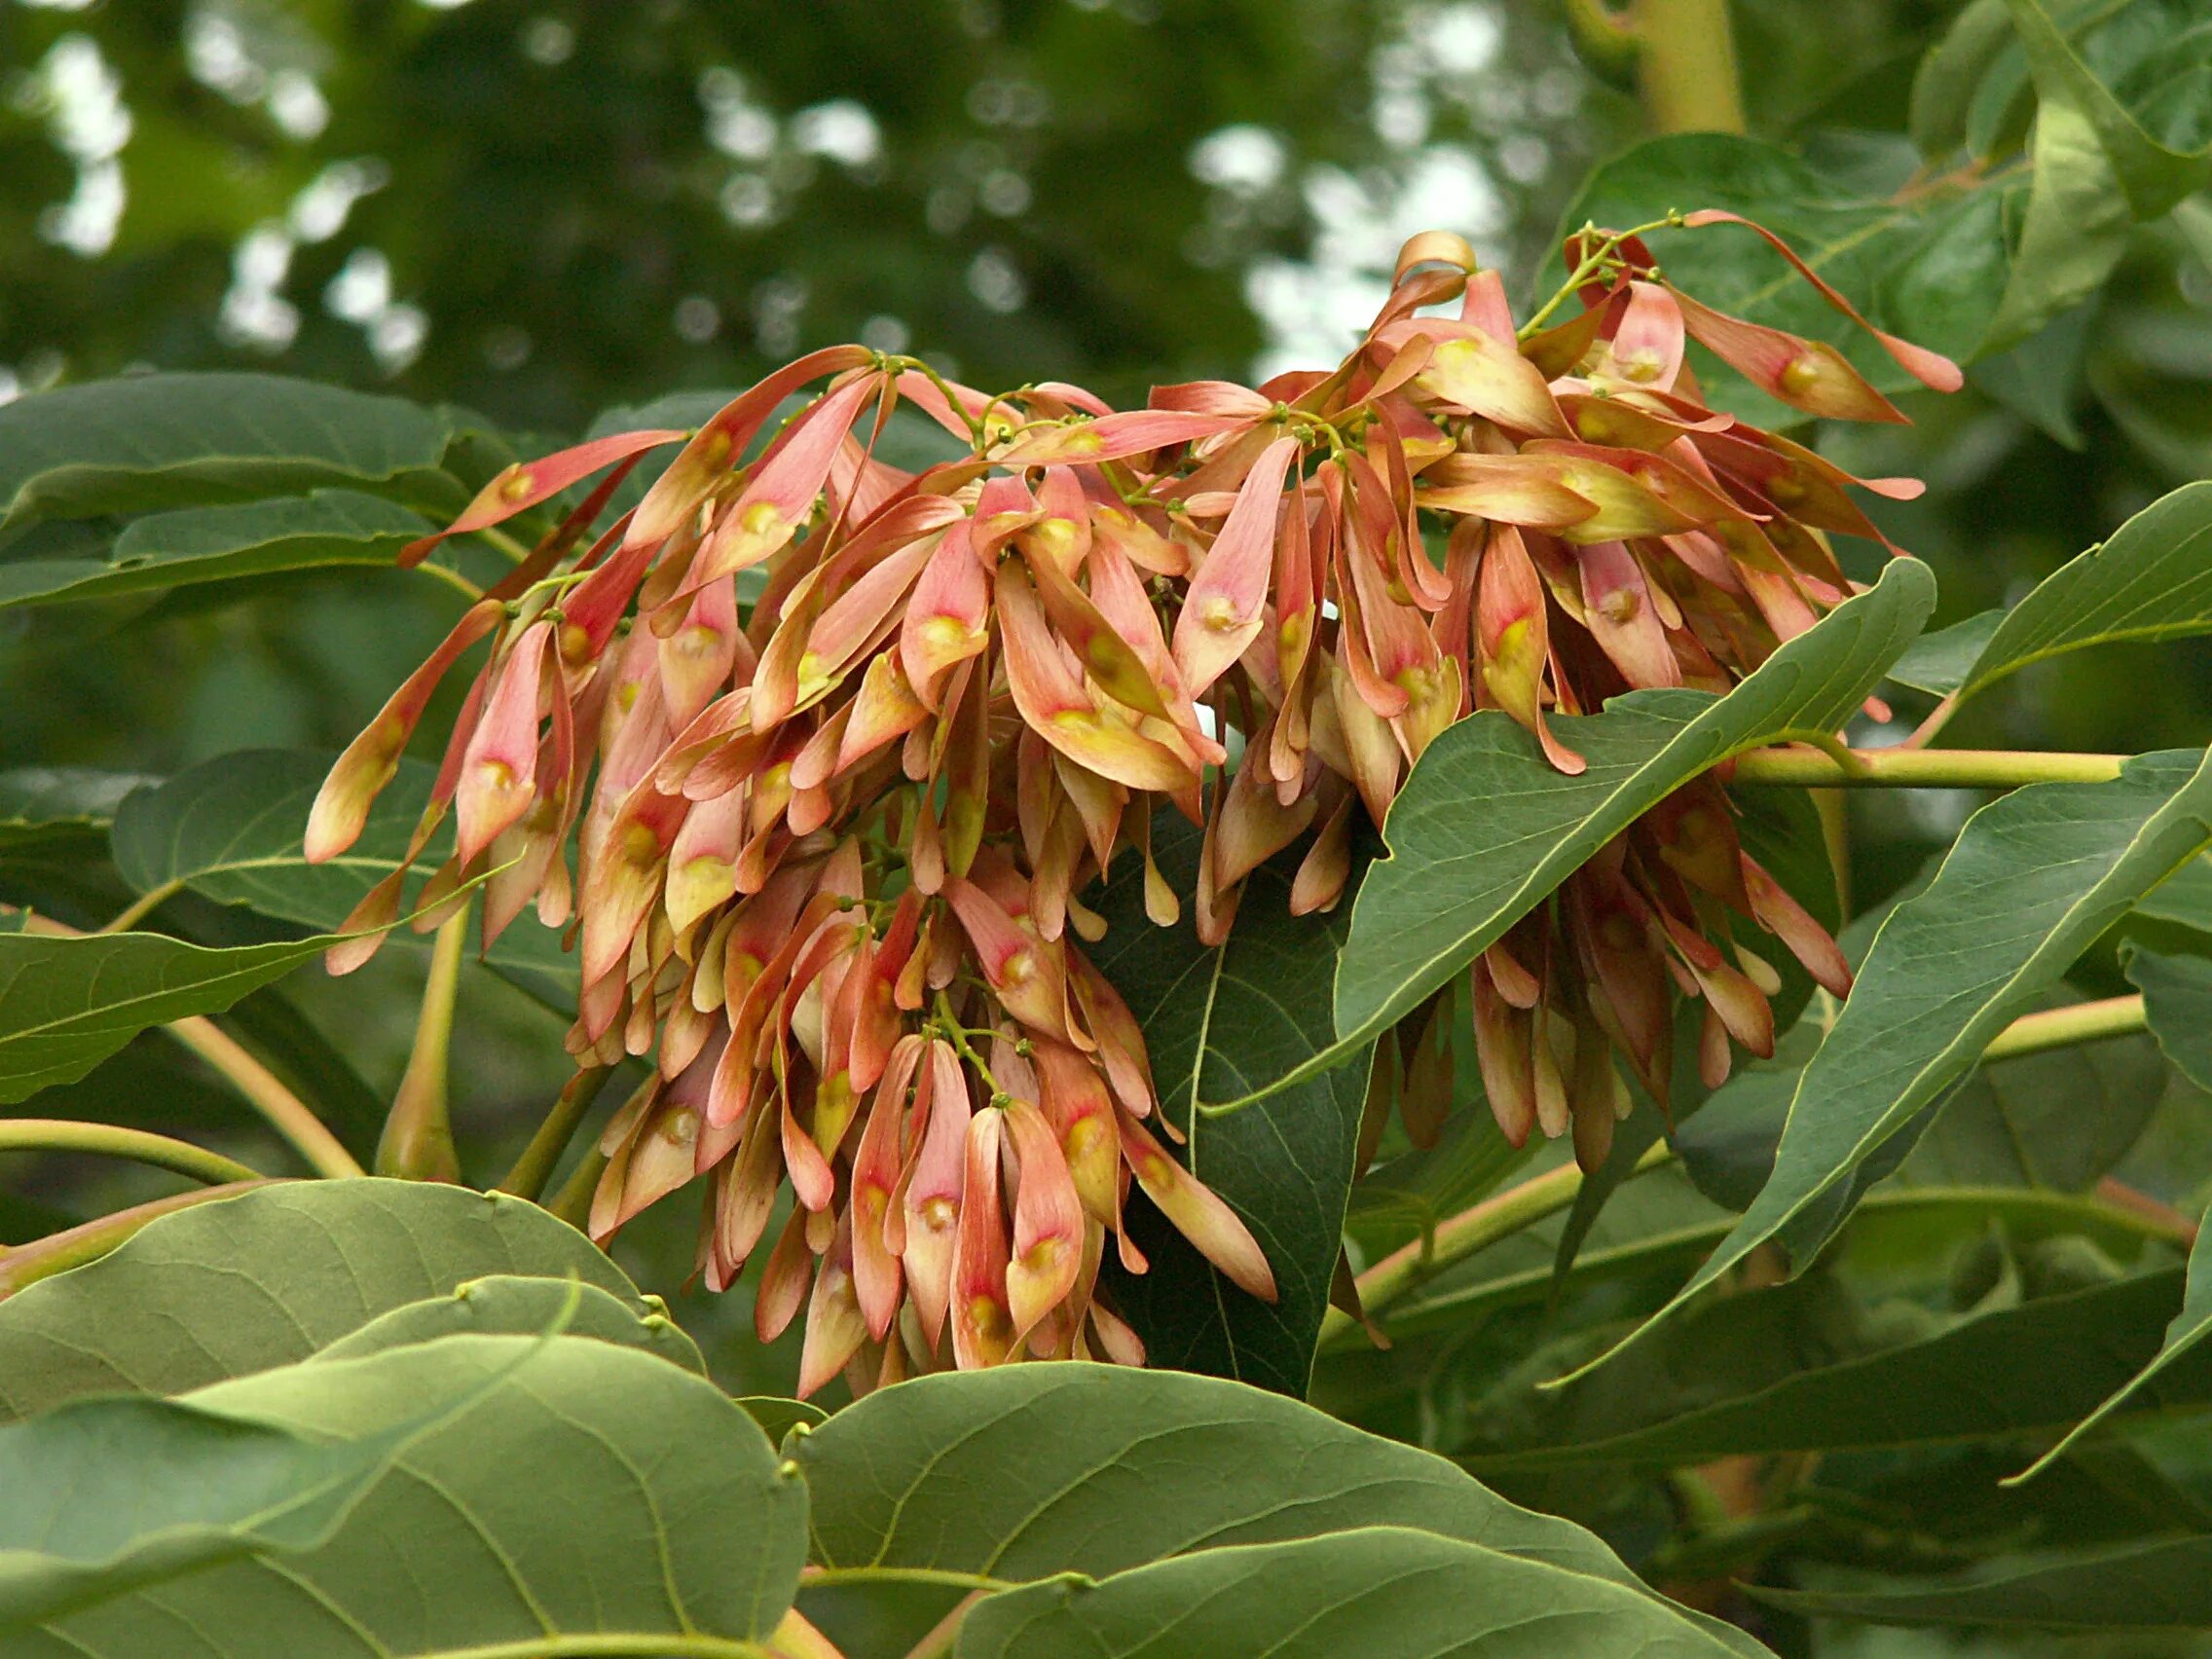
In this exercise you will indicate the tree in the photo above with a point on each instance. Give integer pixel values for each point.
(1088, 878)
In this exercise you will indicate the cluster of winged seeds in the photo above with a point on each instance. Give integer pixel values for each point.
(836, 747)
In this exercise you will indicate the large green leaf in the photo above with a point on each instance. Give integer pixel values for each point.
(268, 1278)
(2151, 176)
(2152, 580)
(1798, 1368)
(2160, 1586)
(69, 1003)
(210, 544)
(1035, 1470)
(2032, 881)
(590, 1490)
(1380, 1592)
(1485, 828)
(151, 442)
(1217, 1021)
(109, 1495)
(231, 829)
(1930, 268)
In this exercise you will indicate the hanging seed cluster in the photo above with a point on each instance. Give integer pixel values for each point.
(815, 758)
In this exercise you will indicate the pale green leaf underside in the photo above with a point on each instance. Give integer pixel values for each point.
(590, 1490)
(272, 1277)
(1035, 1470)
(1380, 1592)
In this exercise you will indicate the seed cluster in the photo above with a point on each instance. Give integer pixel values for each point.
(830, 840)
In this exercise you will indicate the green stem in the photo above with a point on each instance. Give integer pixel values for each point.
(572, 1202)
(2062, 1027)
(534, 1167)
(59, 1252)
(416, 1144)
(1686, 66)
(1497, 1217)
(143, 906)
(945, 1576)
(1805, 767)
(453, 578)
(285, 1112)
(108, 1140)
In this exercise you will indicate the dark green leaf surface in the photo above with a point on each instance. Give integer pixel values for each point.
(1217, 1022)
(60, 801)
(161, 441)
(2032, 881)
(67, 1004)
(590, 1490)
(2151, 1587)
(1380, 1592)
(1794, 1368)
(1485, 828)
(1034, 1470)
(231, 829)
(2177, 999)
(2152, 580)
(219, 543)
(269, 1277)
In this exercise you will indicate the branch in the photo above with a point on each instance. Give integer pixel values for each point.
(108, 1140)
(1803, 766)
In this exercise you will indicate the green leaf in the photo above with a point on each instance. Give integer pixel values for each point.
(2072, 231)
(112, 1495)
(2150, 175)
(1797, 1368)
(1380, 1592)
(1485, 828)
(1214, 1021)
(1931, 269)
(1942, 89)
(2177, 999)
(2151, 581)
(2032, 881)
(512, 1305)
(150, 442)
(2165, 1585)
(209, 544)
(67, 1004)
(1034, 1470)
(230, 829)
(589, 1491)
(52, 809)
(1941, 662)
(268, 1278)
